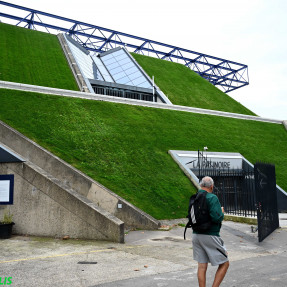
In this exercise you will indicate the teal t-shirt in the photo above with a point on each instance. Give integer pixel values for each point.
(215, 212)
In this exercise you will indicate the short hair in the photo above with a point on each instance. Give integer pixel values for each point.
(207, 181)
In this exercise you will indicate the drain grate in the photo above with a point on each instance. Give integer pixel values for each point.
(87, 262)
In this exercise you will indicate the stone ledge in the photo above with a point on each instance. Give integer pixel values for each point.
(97, 97)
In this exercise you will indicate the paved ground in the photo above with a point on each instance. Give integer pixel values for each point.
(148, 258)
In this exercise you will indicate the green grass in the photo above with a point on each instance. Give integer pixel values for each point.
(126, 147)
(186, 88)
(34, 58)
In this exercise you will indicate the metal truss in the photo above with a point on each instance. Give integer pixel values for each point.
(226, 75)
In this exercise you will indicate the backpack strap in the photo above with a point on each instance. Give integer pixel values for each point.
(188, 225)
(203, 202)
(184, 231)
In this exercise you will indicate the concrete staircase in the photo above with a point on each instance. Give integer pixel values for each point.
(52, 198)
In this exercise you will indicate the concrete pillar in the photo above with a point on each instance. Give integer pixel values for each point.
(285, 124)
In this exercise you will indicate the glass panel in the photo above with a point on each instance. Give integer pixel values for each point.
(109, 61)
(112, 66)
(128, 65)
(107, 57)
(131, 70)
(116, 70)
(119, 76)
(136, 75)
(124, 61)
(124, 81)
(108, 78)
(119, 53)
(145, 85)
(120, 56)
(118, 64)
(83, 60)
(122, 69)
(96, 72)
(129, 83)
(137, 82)
(102, 69)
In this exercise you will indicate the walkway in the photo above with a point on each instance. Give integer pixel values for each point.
(148, 258)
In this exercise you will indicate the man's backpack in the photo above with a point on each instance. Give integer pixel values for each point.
(198, 213)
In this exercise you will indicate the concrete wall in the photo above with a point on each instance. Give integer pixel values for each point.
(43, 206)
(71, 177)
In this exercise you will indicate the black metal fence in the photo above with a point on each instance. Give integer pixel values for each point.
(117, 92)
(234, 188)
(245, 192)
(266, 195)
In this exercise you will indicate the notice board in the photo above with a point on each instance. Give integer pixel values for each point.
(6, 189)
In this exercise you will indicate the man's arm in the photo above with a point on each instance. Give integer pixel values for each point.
(215, 209)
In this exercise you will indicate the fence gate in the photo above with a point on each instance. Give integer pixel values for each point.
(234, 187)
(246, 192)
(235, 191)
(266, 199)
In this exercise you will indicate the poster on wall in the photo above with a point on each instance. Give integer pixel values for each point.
(6, 189)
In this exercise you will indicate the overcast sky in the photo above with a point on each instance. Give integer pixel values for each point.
(251, 32)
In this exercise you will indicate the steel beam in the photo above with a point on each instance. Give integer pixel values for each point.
(216, 70)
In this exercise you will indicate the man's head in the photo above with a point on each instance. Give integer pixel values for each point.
(207, 184)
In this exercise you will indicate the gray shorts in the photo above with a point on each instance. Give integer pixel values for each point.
(209, 248)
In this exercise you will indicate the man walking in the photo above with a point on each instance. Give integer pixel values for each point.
(208, 246)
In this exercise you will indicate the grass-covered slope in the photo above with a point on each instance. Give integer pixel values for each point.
(32, 57)
(186, 88)
(36, 58)
(126, 147)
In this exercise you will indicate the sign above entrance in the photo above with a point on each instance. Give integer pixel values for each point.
(188, 161)
(211, 160)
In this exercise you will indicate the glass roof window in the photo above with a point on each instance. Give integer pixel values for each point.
(106, 75)
(112, 71)
(113, 66)
(84, 61)
(124, 70)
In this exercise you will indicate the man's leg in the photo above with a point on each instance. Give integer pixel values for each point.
(201, 274)
(220, 273)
